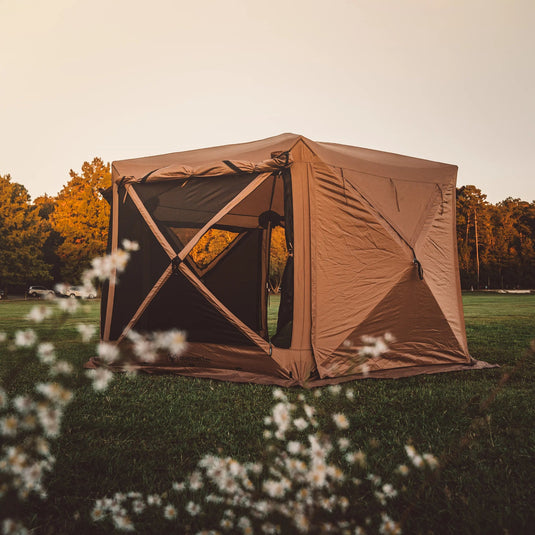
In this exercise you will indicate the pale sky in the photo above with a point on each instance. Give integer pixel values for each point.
(446, 80)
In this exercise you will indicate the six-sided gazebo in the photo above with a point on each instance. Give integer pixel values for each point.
(372, 245)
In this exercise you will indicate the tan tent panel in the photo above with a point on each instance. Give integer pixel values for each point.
(372, 245)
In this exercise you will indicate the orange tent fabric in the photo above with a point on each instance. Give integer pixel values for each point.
(372, 248)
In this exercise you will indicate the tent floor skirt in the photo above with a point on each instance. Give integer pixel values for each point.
(240, 376)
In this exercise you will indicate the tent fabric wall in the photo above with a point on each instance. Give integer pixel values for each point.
(374, 251)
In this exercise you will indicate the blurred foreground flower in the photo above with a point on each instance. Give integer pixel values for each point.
(310, 482)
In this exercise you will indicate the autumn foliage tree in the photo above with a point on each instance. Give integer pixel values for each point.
(278, 255)
(81, 217)
(22, 236)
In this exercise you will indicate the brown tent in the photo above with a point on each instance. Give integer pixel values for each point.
(372, 245)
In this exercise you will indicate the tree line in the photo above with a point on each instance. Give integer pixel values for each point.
(53, 239)
(496, 242)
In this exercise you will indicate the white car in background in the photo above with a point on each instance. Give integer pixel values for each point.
(40, 291)
(78, 291)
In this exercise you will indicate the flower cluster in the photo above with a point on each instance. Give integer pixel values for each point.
(29, 422)
(370, 348)
(313, 480)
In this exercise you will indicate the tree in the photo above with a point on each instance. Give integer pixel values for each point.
(81, 218)
(472, 218)
(278, 254)
(22, 235)
(46, 206)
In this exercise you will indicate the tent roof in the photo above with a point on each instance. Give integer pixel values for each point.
(366, 161)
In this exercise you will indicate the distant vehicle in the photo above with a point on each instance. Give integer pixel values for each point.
(40, 291)
(78, 291)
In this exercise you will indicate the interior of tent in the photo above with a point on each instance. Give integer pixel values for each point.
(218, 240)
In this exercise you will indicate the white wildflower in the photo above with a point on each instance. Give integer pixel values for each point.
(317, 476)
(122, 522)
(411, 451)
(343, 443)
(3, 337)
(70, 306)
(374, 347)
(279, 394)
(431, 460)
(375, 479)
(365, 369)
(350, 394)
(341, 421)
(389, 338)
(50, 419)
(274, 489)
(42, 446)
(403, 469)
(343, 503)
(119, 259)
(356, 457)
(107, 352)
(9, 425)
(300, 424)
(193, 508)
(12, 527)
(46, 353)
(270, 529)
(388, 526)
(144, 348)
(39, 313)
(302, 523)
(129, 245)
(138, 506)
(281, 416)
(173, 341)
(245, 525)
(294, 447)
(226, 524)
(170, 512)
(335, 473)
(26, 338)
(195, 480)
(309, 410)
(61, 367)
(86, 331)
(179, 487)
(389, 491)
(154, 499)
(335, 389)
(55, 392)
(100, 377)
(417, 461)
(23, 404)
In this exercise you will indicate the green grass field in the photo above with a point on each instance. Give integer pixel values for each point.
(145, 433)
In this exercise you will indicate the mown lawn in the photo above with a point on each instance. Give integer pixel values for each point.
(145, 433)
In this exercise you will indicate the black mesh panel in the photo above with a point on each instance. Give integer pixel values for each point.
(143, 270)
(189, 204)
(180, 305)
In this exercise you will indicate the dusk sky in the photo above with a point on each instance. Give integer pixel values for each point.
(446, 80)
